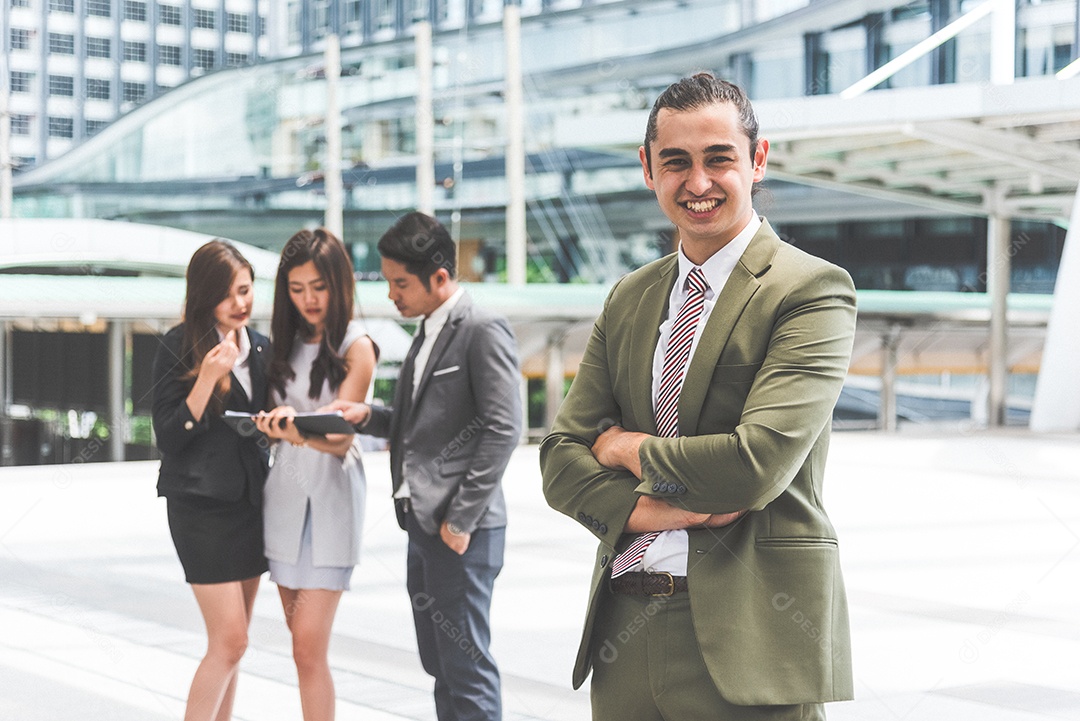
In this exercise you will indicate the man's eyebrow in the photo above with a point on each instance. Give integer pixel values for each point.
(720, 149)
(671, 152)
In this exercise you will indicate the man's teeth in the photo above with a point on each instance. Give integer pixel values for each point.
(702, 206)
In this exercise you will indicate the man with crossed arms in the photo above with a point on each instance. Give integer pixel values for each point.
(692, 444)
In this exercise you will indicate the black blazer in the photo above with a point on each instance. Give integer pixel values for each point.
(206, 457)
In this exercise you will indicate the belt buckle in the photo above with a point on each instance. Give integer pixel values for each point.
(671, 584)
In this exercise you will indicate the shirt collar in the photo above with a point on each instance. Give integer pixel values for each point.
(720, 264)
(437, 318)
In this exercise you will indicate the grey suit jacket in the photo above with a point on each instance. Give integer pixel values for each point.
(454, 442)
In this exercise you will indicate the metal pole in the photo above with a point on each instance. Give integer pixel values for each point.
(334, 220)
(555, 378)
(515, 148)
(5, 143)
(890, 344)
(117, 416)
(6, 451)
(998, 270)
(425, 121)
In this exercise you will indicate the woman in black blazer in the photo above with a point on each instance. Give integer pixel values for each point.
(211, 476)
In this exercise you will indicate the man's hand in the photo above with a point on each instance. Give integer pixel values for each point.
(656, 514)
(457, 542)
(355, 413)
(617, 448)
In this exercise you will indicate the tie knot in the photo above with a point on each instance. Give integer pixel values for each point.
(696, 281)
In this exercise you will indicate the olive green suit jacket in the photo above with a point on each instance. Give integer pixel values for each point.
(766, 593)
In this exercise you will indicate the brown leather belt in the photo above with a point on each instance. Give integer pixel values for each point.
(648, 584)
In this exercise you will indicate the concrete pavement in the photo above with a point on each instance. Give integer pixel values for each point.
(961, 553)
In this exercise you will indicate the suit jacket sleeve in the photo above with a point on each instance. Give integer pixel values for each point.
(378, 423)
(574, 482)
(174, 426)
(790, 401)
(495, 377)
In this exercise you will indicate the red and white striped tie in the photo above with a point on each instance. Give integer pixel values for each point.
(667, 399)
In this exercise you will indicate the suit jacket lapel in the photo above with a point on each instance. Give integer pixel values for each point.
(730, 304)
(457, 314)
(257, 367)
(645, 333)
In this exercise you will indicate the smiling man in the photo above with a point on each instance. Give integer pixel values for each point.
(692, 444)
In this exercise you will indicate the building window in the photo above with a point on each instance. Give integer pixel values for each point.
(135, 10)
(61, 6)
(169, 15)
(237, 23)
(169, 55)
(353, 15)
(98, 89)
(20, 81)
(62, 85)
(61, 44)
(98, 47)
(93, 127)
(204, 58)
(20, 39)
(235, 60)
(61, 127)
(134, 92)
(99, 8)
(20, 124)
(205, 19)
(20, 3)
(135, 52)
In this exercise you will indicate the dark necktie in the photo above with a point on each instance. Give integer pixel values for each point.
(408, 371)
(667, 398)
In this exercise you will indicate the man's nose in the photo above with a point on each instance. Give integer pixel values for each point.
(698, 181)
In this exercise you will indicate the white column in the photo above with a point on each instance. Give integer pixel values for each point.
(998, 270)
(515, 148)
(5, 143)
(1057, 392)
(117, 331)
(1003, 43)
(425, 121)
(334, 220)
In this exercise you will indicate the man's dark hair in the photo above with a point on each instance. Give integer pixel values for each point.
(422, 245)
(699, 91)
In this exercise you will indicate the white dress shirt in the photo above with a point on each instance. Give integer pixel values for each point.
(668, 552)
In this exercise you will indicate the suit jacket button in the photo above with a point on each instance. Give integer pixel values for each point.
(596, 525)
(581, 517)
(682, 489)
(188, 425)
(603, 529)
(603, 561)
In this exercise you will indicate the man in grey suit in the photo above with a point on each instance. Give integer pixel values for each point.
(455, 421)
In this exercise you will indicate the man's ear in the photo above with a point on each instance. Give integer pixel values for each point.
(645, 170)
(440, 277)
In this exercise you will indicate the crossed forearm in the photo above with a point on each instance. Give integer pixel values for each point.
(617, 448)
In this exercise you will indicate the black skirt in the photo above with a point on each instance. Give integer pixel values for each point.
(217, 541)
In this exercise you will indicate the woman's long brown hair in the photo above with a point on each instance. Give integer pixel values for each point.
(332, 261)
(210, 275)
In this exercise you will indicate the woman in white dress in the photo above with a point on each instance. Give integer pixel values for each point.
(314, 499)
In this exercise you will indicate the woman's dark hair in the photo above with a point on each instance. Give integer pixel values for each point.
(210, 275)
(422, 244)
(321, 247)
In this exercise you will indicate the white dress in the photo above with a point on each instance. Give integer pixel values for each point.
(313, 505)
